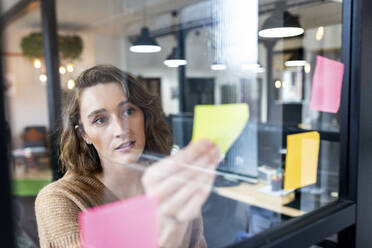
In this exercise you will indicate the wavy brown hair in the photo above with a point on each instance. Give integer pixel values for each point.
(75, 154)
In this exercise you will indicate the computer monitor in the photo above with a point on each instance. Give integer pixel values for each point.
(240, 161)
(242, 157)
(270, 143)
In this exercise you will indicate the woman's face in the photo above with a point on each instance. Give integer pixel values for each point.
(114, 126)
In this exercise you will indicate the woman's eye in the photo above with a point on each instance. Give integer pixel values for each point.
(129, 111)
(99, 121)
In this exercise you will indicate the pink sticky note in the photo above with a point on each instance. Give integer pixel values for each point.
(127, 223)
(327, 84)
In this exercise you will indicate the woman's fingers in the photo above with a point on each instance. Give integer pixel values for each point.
(166, 188)
(176, 164)
(160, 171)
(193, 151)
(193, 207)
(182, 191)
(199, 188)
(168, 166)
(171, 206)
(187, 172)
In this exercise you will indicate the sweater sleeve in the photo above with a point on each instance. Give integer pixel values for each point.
(57, 220)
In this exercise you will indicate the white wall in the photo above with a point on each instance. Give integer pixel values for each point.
(27, 99)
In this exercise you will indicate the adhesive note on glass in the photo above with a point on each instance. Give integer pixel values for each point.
(127, 223)
(301, 162)
(222, 124)
(327, 84)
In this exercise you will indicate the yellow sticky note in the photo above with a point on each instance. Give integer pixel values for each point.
(222, 124)
(301, 163)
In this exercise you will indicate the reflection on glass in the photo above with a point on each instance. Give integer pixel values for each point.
(210, 53)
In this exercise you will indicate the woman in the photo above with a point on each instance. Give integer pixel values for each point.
(110, 124)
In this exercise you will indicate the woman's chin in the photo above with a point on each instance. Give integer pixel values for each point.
(127, 158)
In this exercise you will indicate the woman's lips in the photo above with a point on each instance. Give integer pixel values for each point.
(126, 147)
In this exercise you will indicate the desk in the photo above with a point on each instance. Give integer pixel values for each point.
(248, 193)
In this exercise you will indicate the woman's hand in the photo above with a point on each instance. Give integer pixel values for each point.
(181, 183)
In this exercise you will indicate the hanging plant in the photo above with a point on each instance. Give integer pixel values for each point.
(70, 46)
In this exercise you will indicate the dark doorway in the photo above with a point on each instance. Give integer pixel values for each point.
(198, 91)
(228, 94)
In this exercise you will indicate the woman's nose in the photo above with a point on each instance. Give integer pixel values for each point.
(120, 127)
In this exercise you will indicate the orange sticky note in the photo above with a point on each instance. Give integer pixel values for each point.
(327, 84)
(301, 163)
(128, 223)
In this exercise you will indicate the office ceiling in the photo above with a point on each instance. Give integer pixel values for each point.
(113, 17)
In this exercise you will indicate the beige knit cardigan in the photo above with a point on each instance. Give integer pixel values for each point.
(58, 205)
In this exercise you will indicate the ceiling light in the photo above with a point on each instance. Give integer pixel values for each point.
(281, 24)
(70, 84)
(282, 32)
(319, 33)
(277, 84)
(175, 59)
(218, 66)
(37, 63)
(43, 78)
(62, 69)
(70, 67)
(175, 62)
(296, 59)
(144, 43)
(295, 63)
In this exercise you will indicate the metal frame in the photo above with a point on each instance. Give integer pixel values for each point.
(181, 38)
(348, 136)
(361, 118)
(350, 216)
(49, 28)
(6, 212)
(306, 230)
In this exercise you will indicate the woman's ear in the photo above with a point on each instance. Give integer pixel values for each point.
(80, 130)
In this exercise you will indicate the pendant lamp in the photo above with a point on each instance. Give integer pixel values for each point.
(218, 66)
(175, 59)
(144, 43)
(296, 59)
(281, 24)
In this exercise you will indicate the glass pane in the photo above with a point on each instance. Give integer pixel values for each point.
(260, 79)
(27, 113)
